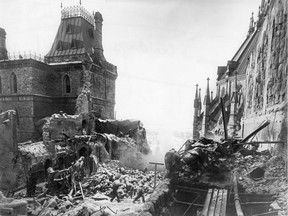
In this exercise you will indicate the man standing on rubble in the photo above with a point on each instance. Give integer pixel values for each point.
(140, 193)
(115, 186)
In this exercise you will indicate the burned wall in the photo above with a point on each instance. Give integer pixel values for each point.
(266, 77)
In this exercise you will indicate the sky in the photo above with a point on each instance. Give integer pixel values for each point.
(162, 48)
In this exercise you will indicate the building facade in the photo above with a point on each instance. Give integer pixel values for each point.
(36, 88)
(253, 84)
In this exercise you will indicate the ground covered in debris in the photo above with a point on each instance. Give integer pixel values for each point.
(264, 174)
(212, 163)
(93, 197)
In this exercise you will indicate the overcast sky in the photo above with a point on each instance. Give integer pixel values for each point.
(162, 48)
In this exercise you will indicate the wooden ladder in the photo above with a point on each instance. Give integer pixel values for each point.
(215, 203)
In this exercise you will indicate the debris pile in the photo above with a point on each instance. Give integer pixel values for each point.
(10, 206)
(199, 159)
(102, 181)
(212, 163)
(271, 180)
(93, 193)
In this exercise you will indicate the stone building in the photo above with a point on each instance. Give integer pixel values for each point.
(36, 88)
(253, 84)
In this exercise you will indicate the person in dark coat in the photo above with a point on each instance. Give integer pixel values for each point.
(115, 186)
(140, 193)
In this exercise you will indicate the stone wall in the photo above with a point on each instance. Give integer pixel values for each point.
(8, 145)
(266, 77)
(59, 124)
(44, 82)
(23, 74)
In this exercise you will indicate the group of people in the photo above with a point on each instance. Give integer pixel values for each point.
(120, 183)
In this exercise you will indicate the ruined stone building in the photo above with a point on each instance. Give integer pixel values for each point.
(253, 84)
(36, 88)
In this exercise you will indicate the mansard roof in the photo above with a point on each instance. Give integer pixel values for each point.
(75, 36)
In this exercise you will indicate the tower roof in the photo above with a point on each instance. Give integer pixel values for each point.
(76, 36)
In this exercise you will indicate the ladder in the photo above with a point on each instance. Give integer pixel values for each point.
(215, 203)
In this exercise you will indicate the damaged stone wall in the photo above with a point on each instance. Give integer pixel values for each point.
(8, 147)
(266, 78)
(61, 126)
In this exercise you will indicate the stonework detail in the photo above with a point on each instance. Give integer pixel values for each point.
(261, 64)
(43, 88)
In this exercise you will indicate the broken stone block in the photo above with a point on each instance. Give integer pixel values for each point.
(275, 206)
(52, 203)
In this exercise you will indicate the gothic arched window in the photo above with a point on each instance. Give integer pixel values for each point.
(67, 84)
(13, 83)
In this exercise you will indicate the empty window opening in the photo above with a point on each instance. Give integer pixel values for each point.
(67, 84)
(13, 83)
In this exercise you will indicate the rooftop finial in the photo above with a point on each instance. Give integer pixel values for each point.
(207, 96)
(61, 5)
(262, 4)
(80, 2)
(252, 20)
(251, 25)
(196, 94)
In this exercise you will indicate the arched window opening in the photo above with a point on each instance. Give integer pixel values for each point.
(13, 83)
(67, 84)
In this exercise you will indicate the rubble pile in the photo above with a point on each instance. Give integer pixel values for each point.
(102, 181)
(213, 163)
(271, 181)
(93, 193)
(202, 160)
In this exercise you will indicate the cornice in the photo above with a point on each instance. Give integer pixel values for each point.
(24, 63)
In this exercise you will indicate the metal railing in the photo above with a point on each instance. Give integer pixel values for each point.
(76, 11)
(24, 55)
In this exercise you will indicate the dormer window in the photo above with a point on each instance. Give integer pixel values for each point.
(59, 46)
(74, 44)
(69, 29)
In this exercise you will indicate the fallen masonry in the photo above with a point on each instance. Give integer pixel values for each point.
(76, 170)
(226, 178)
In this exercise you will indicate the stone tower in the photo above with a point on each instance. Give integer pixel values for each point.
(3, 50)
(196, 113)
(206, 103)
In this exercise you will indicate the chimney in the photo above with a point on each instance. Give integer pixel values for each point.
(3, 50)
(98, 29)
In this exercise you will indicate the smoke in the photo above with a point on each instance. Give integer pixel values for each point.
(161, 140)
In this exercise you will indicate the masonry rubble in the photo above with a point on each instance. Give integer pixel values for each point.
(92, 194)
(211, 162)
(72, 154)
